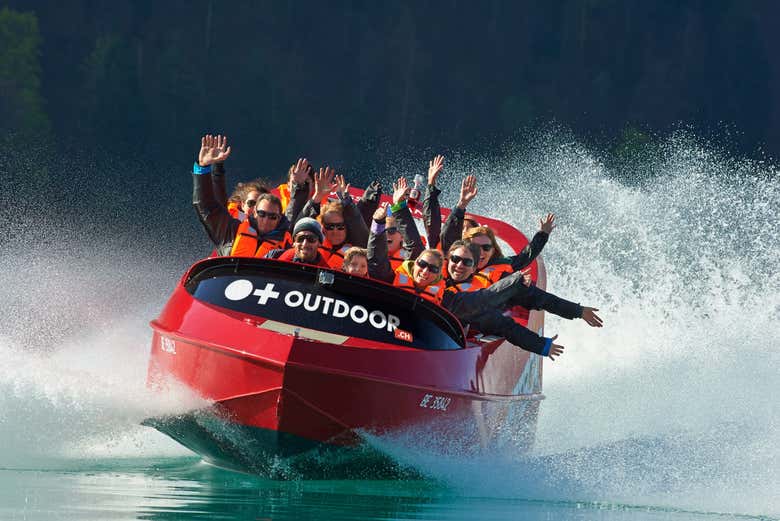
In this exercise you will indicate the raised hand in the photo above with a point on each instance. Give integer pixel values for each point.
(434, 168)
(468, 191)
(373, 191)
(401, 190)
(300, 171)
(380, 215)
(213, 149)
(547, 225)
(323, 182)
(555, 349)
(342, 187)
(527, 280)
(589, 315)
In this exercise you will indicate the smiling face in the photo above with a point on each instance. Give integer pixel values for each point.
(394, 237)
(306, 244)
(334, 228)
(457, 264)
(483, 241)
(248, 205)
(357, 265)
(267, 216)
(426, 270)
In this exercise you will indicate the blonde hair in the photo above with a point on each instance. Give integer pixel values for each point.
(433, 252)
(485, 231)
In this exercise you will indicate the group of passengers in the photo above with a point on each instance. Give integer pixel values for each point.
(463, 269)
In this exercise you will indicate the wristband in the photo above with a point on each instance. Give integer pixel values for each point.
(200, 170)
(395, 208)
(547, 346)
(377, 227)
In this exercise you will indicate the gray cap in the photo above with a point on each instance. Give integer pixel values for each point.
(310, 225)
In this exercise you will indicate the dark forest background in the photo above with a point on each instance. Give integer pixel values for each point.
(140, 80)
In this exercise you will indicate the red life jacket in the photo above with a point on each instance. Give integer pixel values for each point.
(245, 244)
(289, 256)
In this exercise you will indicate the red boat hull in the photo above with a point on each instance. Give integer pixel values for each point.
(281, 391)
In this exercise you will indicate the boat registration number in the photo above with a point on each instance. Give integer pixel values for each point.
(437, 403)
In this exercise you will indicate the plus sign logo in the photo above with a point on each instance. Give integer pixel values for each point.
(266, 293)
(242, 288)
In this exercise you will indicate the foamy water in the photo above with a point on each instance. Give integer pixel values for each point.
(672, 403)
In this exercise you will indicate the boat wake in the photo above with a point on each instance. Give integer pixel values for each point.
(671, 404)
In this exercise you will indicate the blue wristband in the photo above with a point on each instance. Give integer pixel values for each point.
(547, 346)
(199, 170)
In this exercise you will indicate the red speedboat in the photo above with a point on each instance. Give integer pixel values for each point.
(304, 364)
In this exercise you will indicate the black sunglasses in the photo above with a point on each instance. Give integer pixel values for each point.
(251, 202)
(466, 262)
(486, 247)
(392, 229)
(433, 268)
(335, 226)
(262, 213)
(303, 237)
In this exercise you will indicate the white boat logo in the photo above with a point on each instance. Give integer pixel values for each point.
(242, 288)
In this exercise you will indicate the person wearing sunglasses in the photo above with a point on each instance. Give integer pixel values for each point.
(472, 302)
(422, 276)
(264, 228)
(258, 234)
(307, 240)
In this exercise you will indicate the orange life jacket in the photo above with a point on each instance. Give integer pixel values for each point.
(432, 292)
(396, 259)
(495, 272)
(334, 256)
(234, 209)
(284, 196)
(245, 244)
(473, 284)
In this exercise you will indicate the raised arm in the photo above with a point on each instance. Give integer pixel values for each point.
(453, 226)
(431, 207)
(412, 242)
(220, 226)
(534, 248)
(357, 231)
(299, 191)
(378, 260)
(369, 201)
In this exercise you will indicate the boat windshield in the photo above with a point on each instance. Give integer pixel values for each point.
(324, 300)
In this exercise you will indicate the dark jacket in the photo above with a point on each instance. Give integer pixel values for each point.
(484, 310)
(378, 258)
(220, 226)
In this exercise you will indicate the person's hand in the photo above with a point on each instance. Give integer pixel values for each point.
(468, 191)
(547, 225)
(323, 182)
(213, 149)
(380, 215)
(589, 315)
(342, 187)
(300, 171)
(434, 168)
(401, 190)
(373, 191)
(555, 349)
(527, 280)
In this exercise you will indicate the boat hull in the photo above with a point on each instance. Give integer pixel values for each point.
(282, 395)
